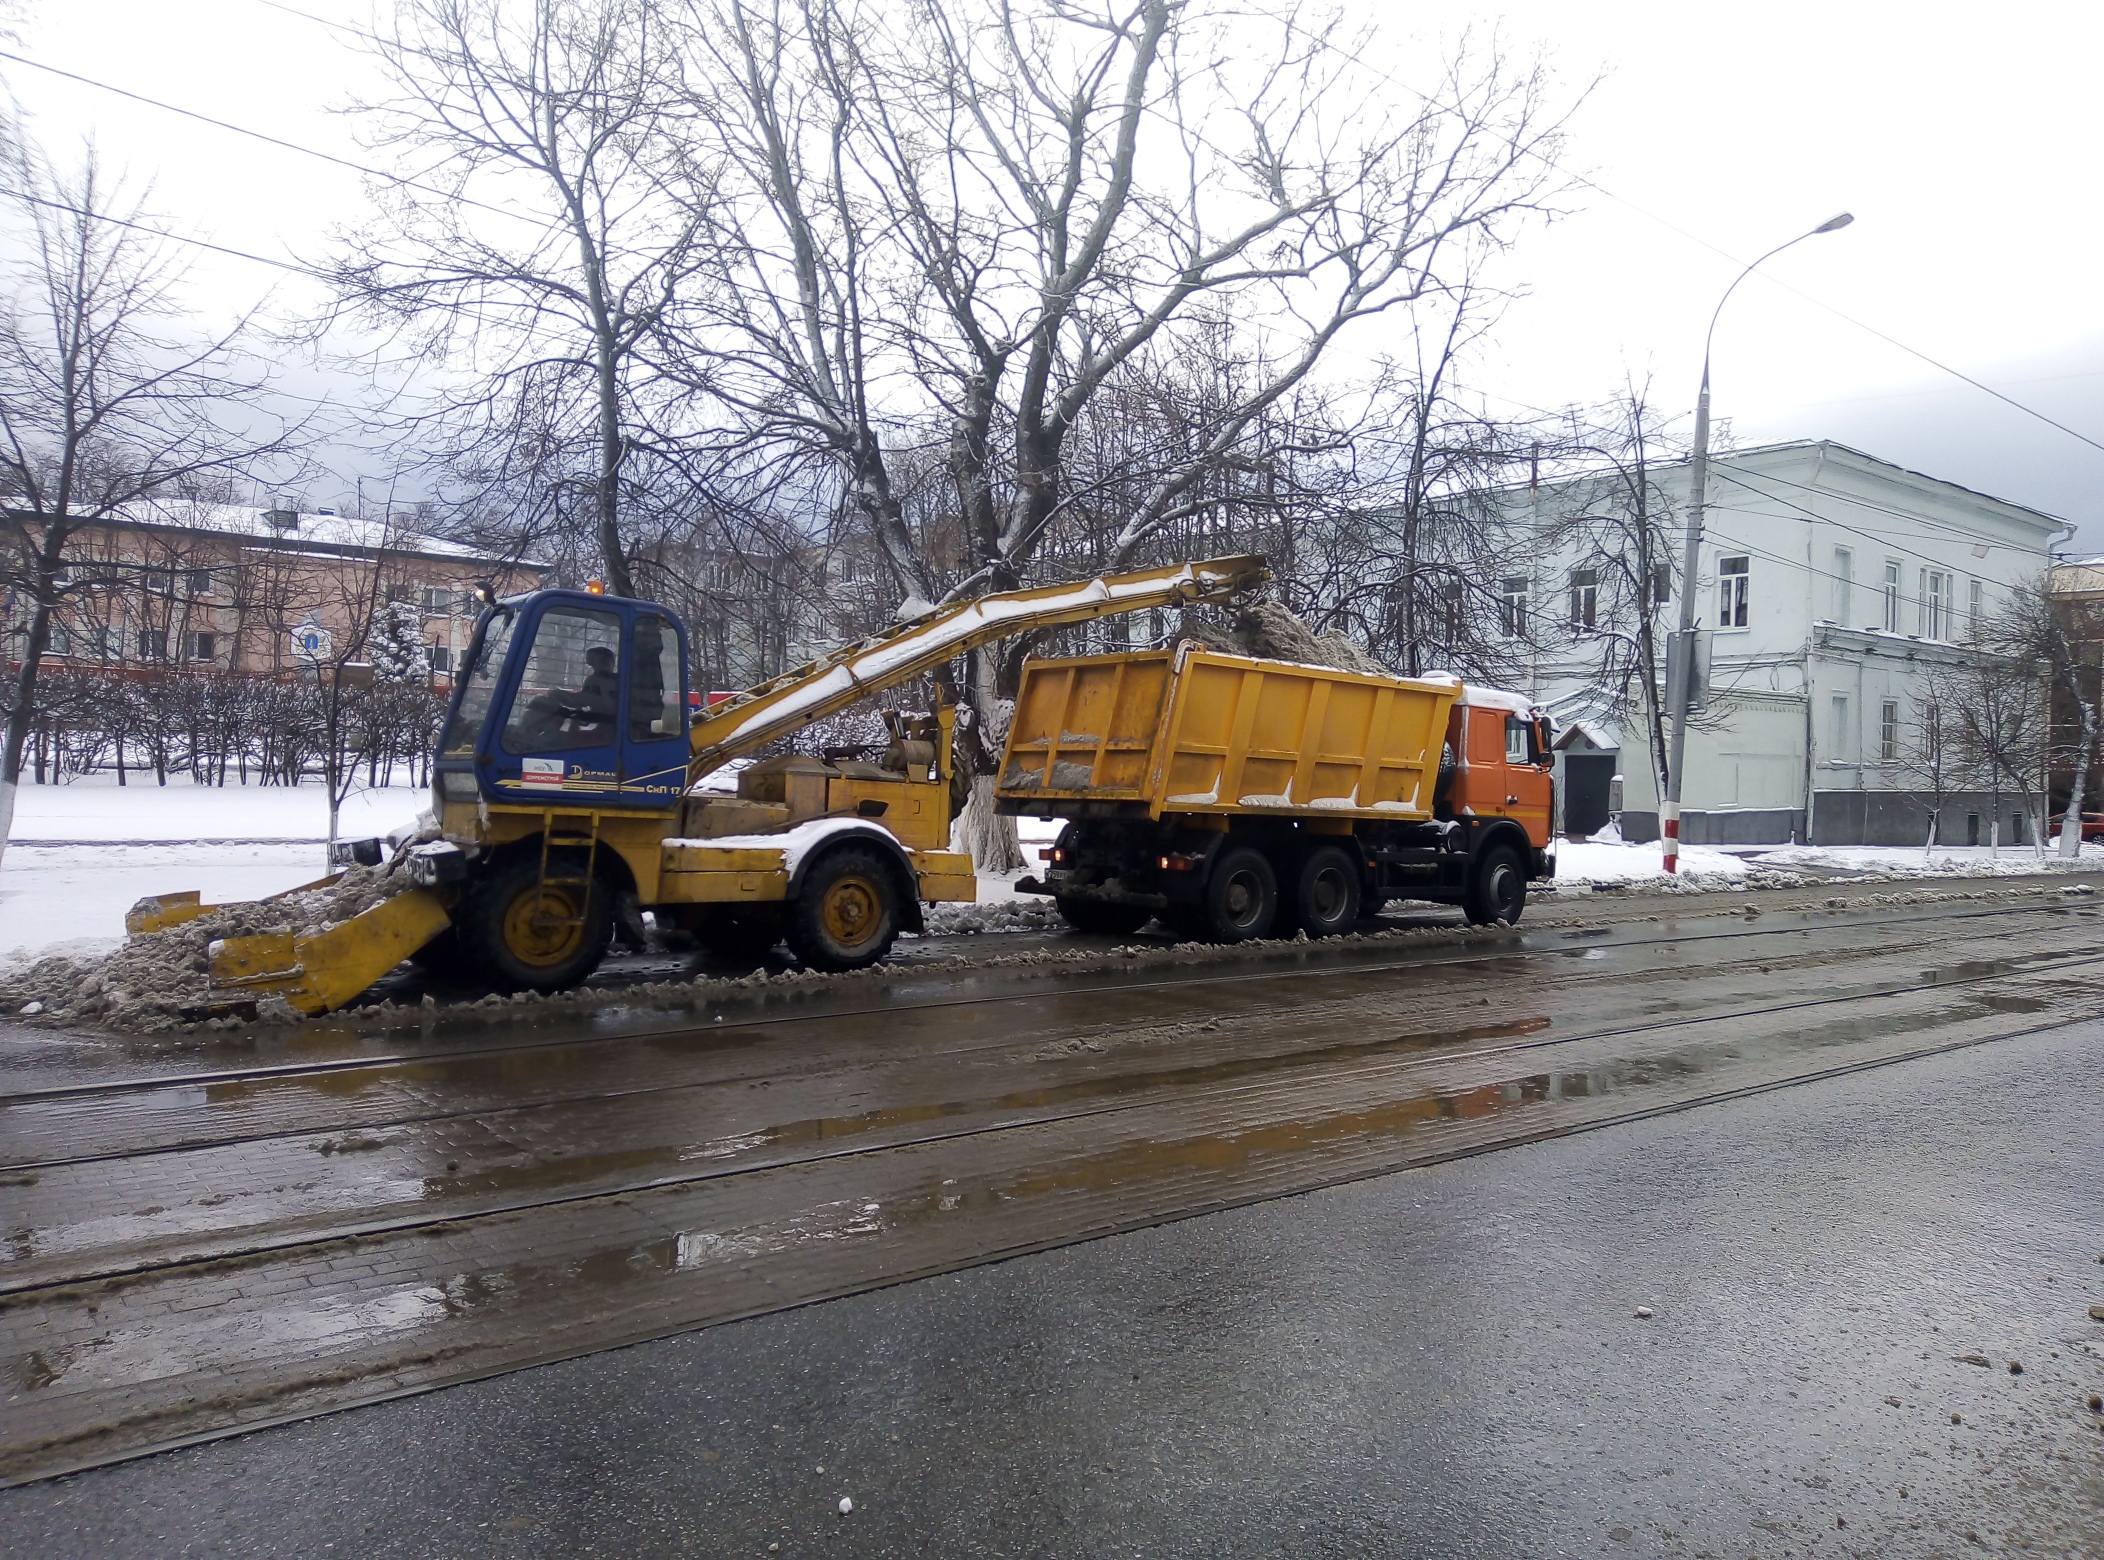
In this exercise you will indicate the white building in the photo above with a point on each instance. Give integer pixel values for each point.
(1834, 583)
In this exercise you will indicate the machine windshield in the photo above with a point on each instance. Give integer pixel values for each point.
(478, 685)
(570, 689)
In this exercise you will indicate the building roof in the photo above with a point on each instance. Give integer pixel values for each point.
(313, 530)
(1821, 447)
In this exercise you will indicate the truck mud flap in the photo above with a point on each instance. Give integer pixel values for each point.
(317, 972)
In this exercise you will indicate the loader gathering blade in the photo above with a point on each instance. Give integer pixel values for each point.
(316, 972)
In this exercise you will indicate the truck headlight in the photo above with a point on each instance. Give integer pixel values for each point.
(458, 785)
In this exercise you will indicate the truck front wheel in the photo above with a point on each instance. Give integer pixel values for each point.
(525, 934)
(1497, 888)
(846, 914)
(1241, 897)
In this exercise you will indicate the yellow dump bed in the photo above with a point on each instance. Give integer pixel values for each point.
(1192, 731)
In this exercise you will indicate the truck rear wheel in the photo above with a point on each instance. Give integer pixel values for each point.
(1497, 888)
(526, 935)
(846, 914)
(1326, 892)
(1241, 897)
(1108, 920)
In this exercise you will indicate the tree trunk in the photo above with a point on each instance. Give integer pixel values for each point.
(2071, 826)
(989, 836)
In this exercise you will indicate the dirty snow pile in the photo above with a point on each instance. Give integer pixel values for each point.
(1268, 630)
(1020, 914)
(159, 980)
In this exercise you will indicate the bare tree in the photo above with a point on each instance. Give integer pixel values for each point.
(535, 285)
(2035, 629)
(105, 407)
(1013, 208)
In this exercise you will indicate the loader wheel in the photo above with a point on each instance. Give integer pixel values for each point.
(847, 912)
(526, 935)
(1108, 920)
(1497, 889)
(1241, 896)
(1325, 899)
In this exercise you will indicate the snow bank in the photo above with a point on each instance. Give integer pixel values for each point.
(95, 807)
(159, 980)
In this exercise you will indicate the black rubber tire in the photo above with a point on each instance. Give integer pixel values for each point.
(739, 937)
(1093, 915)
(507, 898)
(1326, 894)
(1497, 888)
(846, 912)
(1241, 896)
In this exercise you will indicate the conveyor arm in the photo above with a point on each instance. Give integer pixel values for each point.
(752, 719)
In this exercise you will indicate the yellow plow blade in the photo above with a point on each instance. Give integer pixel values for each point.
(318, 971)
(165, 910)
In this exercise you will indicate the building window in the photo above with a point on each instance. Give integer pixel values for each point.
(1733, 577)
(1891, 595)
(203, 646)
(397, 593)
(1888, 731)
(1658, 590)
(1976, 611)
(153, 644)
(1841, 733)
(1585, 600)
(198, 582)
(61, 641)
(437, 599)
(1512, 609)
(441, 659)
(109, 640)
(160, 578)
(1843, 583)
(1935, 614)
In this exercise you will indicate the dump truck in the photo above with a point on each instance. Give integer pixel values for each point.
(568, 796)
(1236, 797)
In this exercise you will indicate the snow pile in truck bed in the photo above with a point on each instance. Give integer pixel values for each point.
(157, 981)
(1267, 629)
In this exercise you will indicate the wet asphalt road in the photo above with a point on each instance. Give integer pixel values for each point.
(1440, 1362)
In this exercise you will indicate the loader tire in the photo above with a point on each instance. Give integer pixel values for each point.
(1241, 896)
(1497, 888)
(1106, 920)
(1326, 894)
(846, 913)
(525, 935)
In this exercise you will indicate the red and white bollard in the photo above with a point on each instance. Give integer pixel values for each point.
(1669, 829)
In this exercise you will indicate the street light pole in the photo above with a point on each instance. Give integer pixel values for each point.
(1680, 688)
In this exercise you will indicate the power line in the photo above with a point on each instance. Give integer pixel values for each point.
(268, 140)
(179, 238)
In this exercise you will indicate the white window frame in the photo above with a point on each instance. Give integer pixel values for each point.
(1512, 607)
(1933, 615)
(1891, 594)
(1734, 592)
(1585, 601)
(1888, 731)
(1976, 609)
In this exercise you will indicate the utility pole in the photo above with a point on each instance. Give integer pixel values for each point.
(1680, 655)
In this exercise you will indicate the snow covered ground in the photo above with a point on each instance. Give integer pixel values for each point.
(1602, 861)
(72, 897)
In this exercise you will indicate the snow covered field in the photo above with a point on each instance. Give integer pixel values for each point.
(1600, 861)
(127, 842)
(77, 893)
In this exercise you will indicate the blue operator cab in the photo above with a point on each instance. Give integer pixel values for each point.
(573, 699)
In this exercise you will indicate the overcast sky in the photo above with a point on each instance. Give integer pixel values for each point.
(1964, 139)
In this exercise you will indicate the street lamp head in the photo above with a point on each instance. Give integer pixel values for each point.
(1835, 224)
